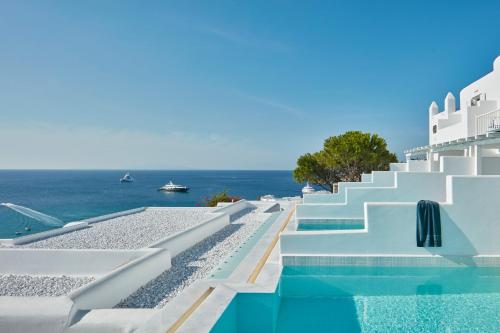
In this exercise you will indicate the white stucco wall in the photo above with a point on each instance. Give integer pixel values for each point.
(398, 167)
(490, 165)
(460, 122)
(34, 314)
(469, 226)
(455, 165)
(418, 166)
(70, 262)
(366, 177)
(234, 208)
(409, 187)
(377, 179)
(116, 285)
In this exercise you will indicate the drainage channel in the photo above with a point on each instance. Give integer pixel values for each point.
(230, 263)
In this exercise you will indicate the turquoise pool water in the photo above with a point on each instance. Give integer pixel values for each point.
(371, 299)
(329, 224)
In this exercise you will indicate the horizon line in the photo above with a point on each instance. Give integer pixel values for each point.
(125, 169)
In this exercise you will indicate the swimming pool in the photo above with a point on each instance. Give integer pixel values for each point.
(371, 299)
(329, 224)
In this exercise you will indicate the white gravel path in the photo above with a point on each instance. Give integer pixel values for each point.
(197, 262)
(30, 285)
(128, 232)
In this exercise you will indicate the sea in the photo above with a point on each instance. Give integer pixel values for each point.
(72, 195)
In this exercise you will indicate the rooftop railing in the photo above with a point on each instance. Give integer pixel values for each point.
(488, 122)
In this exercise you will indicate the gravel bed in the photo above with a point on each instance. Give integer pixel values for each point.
(128, 232)
(29, 285)
(197, 262)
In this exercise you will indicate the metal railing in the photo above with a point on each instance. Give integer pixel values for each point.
(488, 122)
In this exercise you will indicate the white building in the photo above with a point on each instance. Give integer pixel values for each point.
(460, 164)
(478, 113)
(472, 131)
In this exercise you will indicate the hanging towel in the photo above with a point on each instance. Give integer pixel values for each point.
(428, 224)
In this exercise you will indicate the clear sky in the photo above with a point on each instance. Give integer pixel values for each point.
(227, 84)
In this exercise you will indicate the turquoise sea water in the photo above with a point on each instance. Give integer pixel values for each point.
(371, 299)
(75, 195)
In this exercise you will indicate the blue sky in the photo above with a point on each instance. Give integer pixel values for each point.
(226, 84)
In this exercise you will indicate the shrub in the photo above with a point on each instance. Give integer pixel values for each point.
(220, 197)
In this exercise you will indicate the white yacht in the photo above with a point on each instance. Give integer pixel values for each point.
(268, 197)
(171, 187)
(127, 178)
(308, 189)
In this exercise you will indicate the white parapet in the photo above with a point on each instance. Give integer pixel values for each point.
(398, 167)
(185, 239)
(116, 273)
(116, 285)
(410, 187)
(375, 179)
(468, 218)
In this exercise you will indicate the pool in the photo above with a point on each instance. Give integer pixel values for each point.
(371, 299)
(329, 224)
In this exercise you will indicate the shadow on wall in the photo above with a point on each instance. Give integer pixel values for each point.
(454, 238)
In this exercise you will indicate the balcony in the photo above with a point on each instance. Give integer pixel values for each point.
(488, 123)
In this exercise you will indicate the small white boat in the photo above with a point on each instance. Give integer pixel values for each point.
(127, 178)
(308, 189)
(268, 197)
(171, 187)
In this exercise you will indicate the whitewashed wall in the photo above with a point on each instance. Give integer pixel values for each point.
(456, 123)
(455, 165)
(64, 261)
(469, 226)
(410, 187)
(366, 177)
(418, 166)
(398, 167)
(377, 179)
(490, 166)
(119, 283)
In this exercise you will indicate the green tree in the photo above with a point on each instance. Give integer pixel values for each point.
(313, 168)
(344, 158)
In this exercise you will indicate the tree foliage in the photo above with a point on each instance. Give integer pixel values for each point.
(344, 158)
(220, 197)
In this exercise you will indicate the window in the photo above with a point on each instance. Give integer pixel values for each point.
(475, 99)
(434, 129)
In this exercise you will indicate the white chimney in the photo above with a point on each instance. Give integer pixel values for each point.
(449, 103)
(496, 64)
(433, 109)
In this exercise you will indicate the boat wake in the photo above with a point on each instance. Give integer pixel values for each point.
(41, 217)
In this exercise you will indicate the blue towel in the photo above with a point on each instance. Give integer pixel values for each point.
(428, 224)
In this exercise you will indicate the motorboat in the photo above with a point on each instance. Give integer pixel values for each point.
(308, 189)
(127, 178)
(171, 187)
(268, 197)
